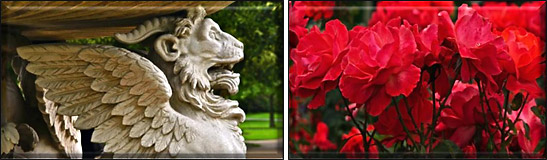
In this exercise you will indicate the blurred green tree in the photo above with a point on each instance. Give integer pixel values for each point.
(259, 25)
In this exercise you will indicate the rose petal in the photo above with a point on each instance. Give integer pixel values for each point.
(378, 103)
(462, 135)
(403, 82)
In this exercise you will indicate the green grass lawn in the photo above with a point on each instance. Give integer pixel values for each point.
(264, 115)
(262, 134)
(259, 129)
(259, 124)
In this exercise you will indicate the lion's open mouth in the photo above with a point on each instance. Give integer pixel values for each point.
(224, 81)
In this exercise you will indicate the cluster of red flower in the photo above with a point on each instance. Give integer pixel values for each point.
(413, 65)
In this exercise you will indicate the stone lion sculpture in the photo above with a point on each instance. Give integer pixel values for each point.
(167, 103)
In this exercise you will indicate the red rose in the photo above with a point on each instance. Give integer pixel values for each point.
(542, 21)
(354, 108)
(320, 137)
(437, 45)
(534, 11)
(525, 50)
(428, 46)
(354, 146)
(355, 30)
(293, 102)
(421, 109)
(470, 151)
(297, 133)
(421, 13)
(301, 135)
(536, 130)
(296, 17)
(465, 113)
(297, 25)
(317, 9)
(446, 26)
(496, 139)
(379, 67)
(295, 117)
(480, 49)
(460, 119)
(503, 14)
(317, 62)
(434, 47)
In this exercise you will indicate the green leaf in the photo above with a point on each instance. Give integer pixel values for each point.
(506, 104)
(511, 125)
(505, 143)
(540, 145)
(295, 145)
(490, 145)
(538, 113)
(517, 101)
(446, 149)
(526, 130)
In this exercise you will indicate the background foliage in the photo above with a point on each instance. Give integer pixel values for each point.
(259, 25)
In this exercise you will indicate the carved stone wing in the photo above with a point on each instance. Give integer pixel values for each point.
(9, 137)
(61, 127)
(120, 94)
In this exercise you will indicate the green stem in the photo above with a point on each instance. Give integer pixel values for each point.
(363, 132)
(493, 117)
(520, 111)
(490, 108)
(486, 128)
(413, 121)
(505, 103)
(376, 141)
(400, 116)
(434, 119)
(431, 130)
(372, 135)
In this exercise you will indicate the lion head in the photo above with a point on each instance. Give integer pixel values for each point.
(203, 57)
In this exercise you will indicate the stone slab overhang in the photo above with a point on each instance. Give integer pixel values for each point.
(62, 20)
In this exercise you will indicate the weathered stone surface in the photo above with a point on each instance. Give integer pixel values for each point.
(61, 20)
